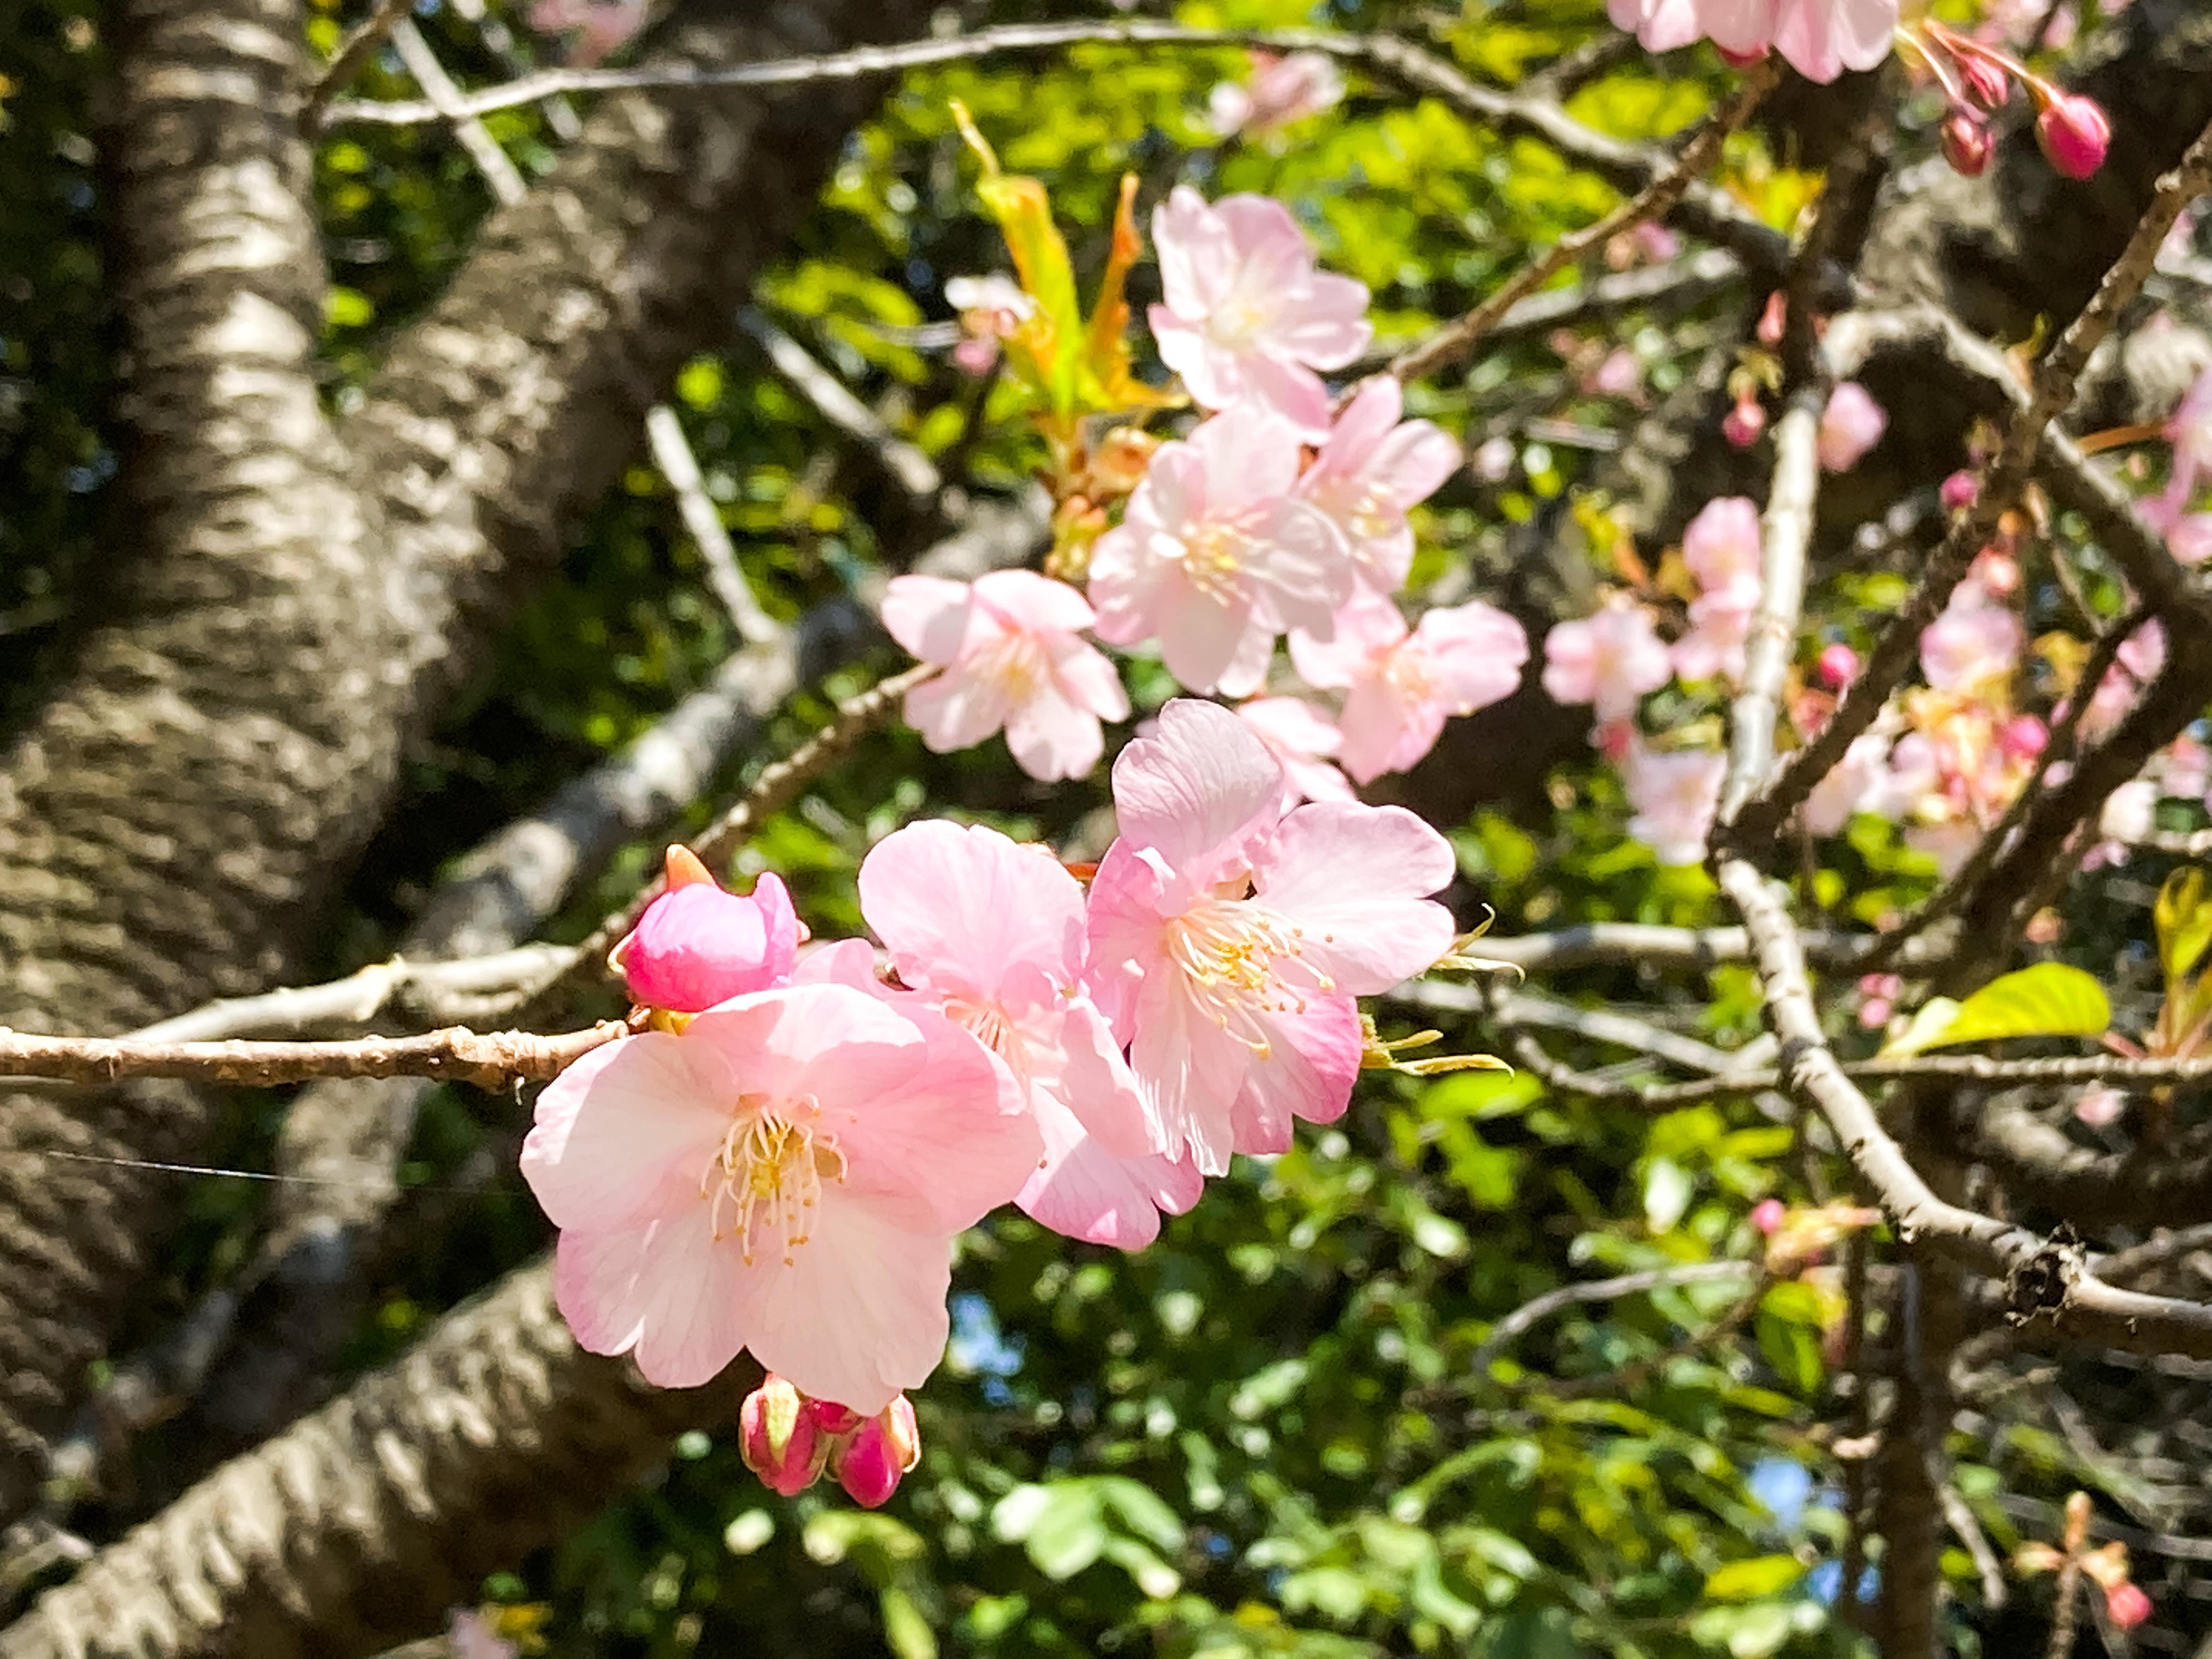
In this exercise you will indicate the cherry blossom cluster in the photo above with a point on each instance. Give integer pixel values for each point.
(1274, 518)
(1705, 598)
(779, 1154)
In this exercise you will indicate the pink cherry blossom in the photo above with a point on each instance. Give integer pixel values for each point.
(1371, 471)
(1227, 940)
(1971, 642)
(2136, 663)
(1720, 628)
(1674, 794)
(991, 308)
(1246, 315)
(991, 934)
(1721, 546)
(1609, 659)
(2100, 1106)
(1008, 643)
(1401, 686)
(1821, 39)
(600, 26)
(875, 1453)
(1216, 558)
(1851, 424)
(2189, 431)
(696, 945)
(1282, 89)
(2186, 774)
(1857, 783)
(784, 1177)
(1301, 738)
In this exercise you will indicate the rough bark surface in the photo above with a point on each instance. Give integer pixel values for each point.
(359, 1526)
(303, 597)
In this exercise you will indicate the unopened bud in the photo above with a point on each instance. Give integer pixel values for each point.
(2073, 134)
(778, 1438)
(696, 945)
(1768, 1215)
(2127, 1604)
(2023, 737)
(1743, 423)
(1960, 490)
(869, 1462)
(1967, 143)
(1986, 83)
(1838, 665)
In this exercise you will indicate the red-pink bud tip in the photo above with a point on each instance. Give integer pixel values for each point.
(2074, 134)
(870, 1461)
(696, 945)
(1768, 1215)
(1966, 143)
(778, 1439)
(1743, 423)
(1986, 83)
(2127, 1604)
(1838, 665)
(1960, 490)
(2023, 737)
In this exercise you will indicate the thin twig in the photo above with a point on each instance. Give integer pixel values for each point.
(488, 1059)
(1457, 339)
(1509, 1329)
(350, 59)
(359, 997)
(2002, 482)
(671, 453)
(1708, 212)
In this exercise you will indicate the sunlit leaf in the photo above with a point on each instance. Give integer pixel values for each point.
(2048, 1000)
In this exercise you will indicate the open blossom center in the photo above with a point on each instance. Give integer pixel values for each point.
(1212, 558)
(769, 1172)
(990, 1024)
(1240, 960)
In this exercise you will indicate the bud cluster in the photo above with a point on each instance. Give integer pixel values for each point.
(790, 1440)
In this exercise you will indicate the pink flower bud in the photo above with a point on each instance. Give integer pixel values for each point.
(2023, 737)
(2073, 134)
(1966, 143)
(1850, 425)
(778, 1438)
(2127, 1604)
(1986, 82)
(832, 1420)
(871, 1460)
(1875, 1013)
(1740, 59)
(1772, 317)
(696, 945)
(1960, 490)
(1742, 424)
(1838, 665)
(1768, 1215)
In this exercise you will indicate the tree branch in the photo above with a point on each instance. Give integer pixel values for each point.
(489, 1060)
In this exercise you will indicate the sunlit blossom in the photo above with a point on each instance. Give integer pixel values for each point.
(1227, 940)
(784, 1177)
(991, 934)
(1245, 314)
(1609, 659)
(1215, 558)
(1821, 39)
(1401, 684)
(1673, 794)
(1302, 738)
(1013, 657)
(1372, 468)
(1850, 425)
(1283, 88)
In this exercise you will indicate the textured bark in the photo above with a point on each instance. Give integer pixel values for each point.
(359, 1526)
(302, 599)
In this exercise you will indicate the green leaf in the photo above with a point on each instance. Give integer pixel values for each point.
(2184, 919)
(1747, 1581)
(905, 1632)
(2048, 1000)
